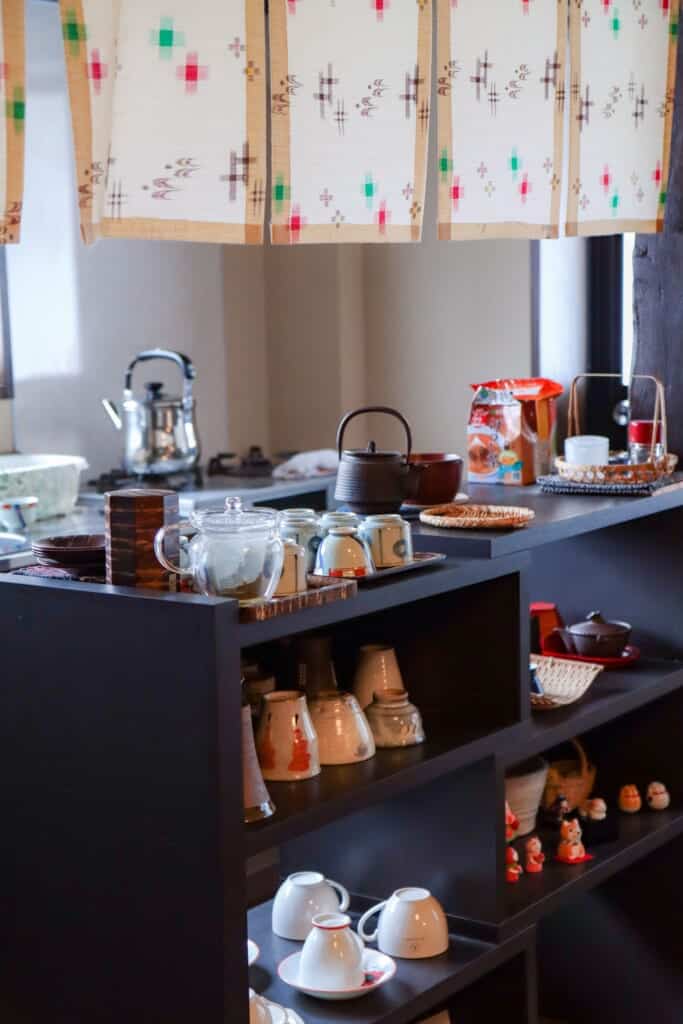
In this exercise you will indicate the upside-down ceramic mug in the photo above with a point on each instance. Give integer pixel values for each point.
(412, 925)
(300, 898)
(286, 742)
(332, 955)
(389, 538)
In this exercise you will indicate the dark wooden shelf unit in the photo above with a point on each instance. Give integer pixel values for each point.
(128, 874)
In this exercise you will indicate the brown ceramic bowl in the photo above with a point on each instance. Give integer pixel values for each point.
(439, 478)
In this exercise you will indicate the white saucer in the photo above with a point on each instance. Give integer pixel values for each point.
(253, 952)
(379, 968)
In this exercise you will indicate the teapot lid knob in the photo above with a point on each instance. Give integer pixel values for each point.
(233, 507)
(372, 447)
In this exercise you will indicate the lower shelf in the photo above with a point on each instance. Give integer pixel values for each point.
(534, 896)
(417, 987)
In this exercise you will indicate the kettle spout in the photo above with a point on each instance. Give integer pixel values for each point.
(113, 413)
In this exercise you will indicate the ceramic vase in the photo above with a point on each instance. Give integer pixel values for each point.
(344, 736)
(286, 741)
(377, 671)
(523, 790)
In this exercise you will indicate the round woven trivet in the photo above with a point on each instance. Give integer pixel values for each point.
(477, 517)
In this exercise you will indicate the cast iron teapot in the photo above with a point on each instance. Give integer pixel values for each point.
(371, 482)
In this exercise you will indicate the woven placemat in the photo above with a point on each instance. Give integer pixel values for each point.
(556, 485)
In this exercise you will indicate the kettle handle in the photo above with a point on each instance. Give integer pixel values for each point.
(186, 366)
(374, 408)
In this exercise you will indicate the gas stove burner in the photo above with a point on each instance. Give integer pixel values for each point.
(254, 463)
(116, 479)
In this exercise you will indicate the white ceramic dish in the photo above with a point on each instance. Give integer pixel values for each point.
(53, 479)
(379, 969)
(253, 952)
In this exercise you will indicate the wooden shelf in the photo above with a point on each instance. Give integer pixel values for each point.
(558, 517)
(417, 987)
(337, 791)
(453, 574)
(612, 694)
(534, 896)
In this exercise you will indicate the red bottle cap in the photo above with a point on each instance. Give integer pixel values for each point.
(640, 431)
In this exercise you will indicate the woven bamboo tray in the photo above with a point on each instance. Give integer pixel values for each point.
(656, 468)
(477, 517)
(563, 682)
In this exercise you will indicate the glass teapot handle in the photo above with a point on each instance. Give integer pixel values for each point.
(374, 408)
(159, 548)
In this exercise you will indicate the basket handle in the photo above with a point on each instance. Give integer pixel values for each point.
(583, 757)
(659, 416)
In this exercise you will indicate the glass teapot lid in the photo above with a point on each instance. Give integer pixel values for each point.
(235, 519)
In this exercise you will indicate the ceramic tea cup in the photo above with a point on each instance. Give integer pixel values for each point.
(17, 514)
(286, 742)
(344, 735)
(389, 538)
(293, 578)
(303, 527)
(377, 671)
(300, 898)
(332, 955)
(345, 554)
(412, 925)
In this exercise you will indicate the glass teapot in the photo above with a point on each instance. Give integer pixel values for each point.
(234, 553)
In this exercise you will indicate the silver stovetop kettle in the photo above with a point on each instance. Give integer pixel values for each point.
(160, 432)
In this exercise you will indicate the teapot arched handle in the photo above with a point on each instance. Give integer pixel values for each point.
(374, 408)
(182, 362)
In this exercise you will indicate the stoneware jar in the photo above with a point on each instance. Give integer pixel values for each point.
(389, 539)
(344, 736)
(412, 925)
(344, 553)
(332, 955)
(302, 526)
(394, 721)
(377, 670)
(293, 578)
(300, 898)
(286, 741)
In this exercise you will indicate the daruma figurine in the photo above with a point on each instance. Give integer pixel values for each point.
(629, 800)
(513, 869)
(534, 856)
(657, 796)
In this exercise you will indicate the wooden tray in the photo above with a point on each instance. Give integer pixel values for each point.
(421, 560)
(321, 590)
(477, 517)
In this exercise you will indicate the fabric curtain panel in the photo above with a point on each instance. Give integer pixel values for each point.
(351, 87)
(13, 89)
(622, 96)
(501, 105)
(169, 117)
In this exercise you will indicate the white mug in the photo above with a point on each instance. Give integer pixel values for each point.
(17, 514)
(300, 898)
(332, 956)
(587, 450)
(412, 925)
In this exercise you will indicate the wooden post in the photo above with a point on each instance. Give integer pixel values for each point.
(658, 294)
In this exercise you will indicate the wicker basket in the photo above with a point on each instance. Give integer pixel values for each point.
(523, 791)
(657, 468)
(477, 517)
(564, 682)
(573, 779)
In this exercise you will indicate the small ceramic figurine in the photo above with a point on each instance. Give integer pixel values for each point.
(511, 823)
(657, 797)
(555, 814)
(534, 855)
(594, 810)
(513, 869)
(629, 800)
(570, 849)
